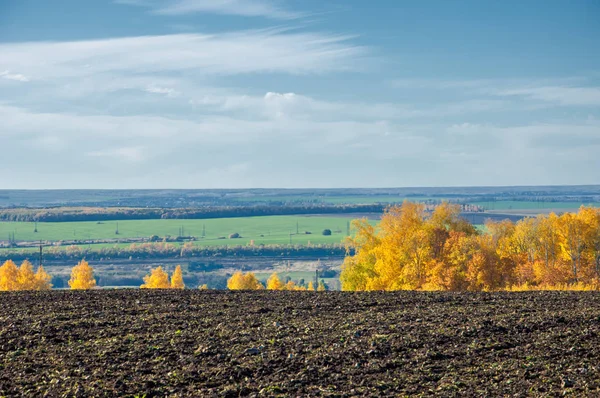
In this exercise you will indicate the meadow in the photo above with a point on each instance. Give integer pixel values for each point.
(532, 205)
(210, 232)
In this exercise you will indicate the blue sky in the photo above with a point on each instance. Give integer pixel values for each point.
(284, 93)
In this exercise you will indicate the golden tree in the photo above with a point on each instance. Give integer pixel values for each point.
(177, 279)
(158, 279)
(82, 276)
(26, 277)
(9, 274)
(322, 287)
(310, 287)
(274, 283)
(413, 249)
(290, 285)
(241, 281)
(42, 279)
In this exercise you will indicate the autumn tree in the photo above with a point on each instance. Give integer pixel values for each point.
(310, 287)
(157, 279)
(322, 286)
(42, 279)
(82, 277)
(177, 279)
(26, 277)
(415, 248)
(572, 231)
(274, 283)
(241, 281)
(9, 274)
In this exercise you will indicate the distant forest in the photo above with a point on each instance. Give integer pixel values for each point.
(163, 250)
(71, 214)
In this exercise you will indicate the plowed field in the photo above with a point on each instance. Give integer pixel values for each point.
(208, 343)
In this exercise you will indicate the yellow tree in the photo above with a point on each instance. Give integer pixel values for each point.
(42, 279)
(274, 283)
(26, 278)
(591, 218)
(310, 287)
(290, 285)
(9, 274)
(158, 279)
(322, 287)
(177, 279)
(548, 247)
(572, 231)
(241, 281)
(358, 270)
(451, 272)
(82, 276)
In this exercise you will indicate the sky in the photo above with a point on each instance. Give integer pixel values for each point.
(132, 94)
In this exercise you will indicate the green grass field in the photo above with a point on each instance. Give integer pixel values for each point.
(522, 205)
(265, 230)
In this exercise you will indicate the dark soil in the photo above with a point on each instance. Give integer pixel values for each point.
(208, 343)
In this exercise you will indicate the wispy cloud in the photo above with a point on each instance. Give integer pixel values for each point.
(219, 54)
(13, 76)
(169, 92)
(562, 95)
(249, 8)
(573, 91)
(128, 154)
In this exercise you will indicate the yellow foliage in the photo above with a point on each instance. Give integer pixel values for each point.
(241, 281)
(177, 279)
(26, 277)
(290, 286)
(203, 287)
(23, 278)
(9, 274)
(310, 287)
(42, 279)
(158, 279)
(413, 250)
(579, 286)
(82, 276)
(274, 283)
(321, 287)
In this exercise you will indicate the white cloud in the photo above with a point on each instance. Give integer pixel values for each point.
(572, 91)
(14, 76)
(247, 8)
(129, 154)
(563, 95)
(262, 51)
(169, 92)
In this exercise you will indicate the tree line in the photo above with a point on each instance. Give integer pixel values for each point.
(412, 249)
(158, 250)
(13, 278)
(73, 214)
(249, 281)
